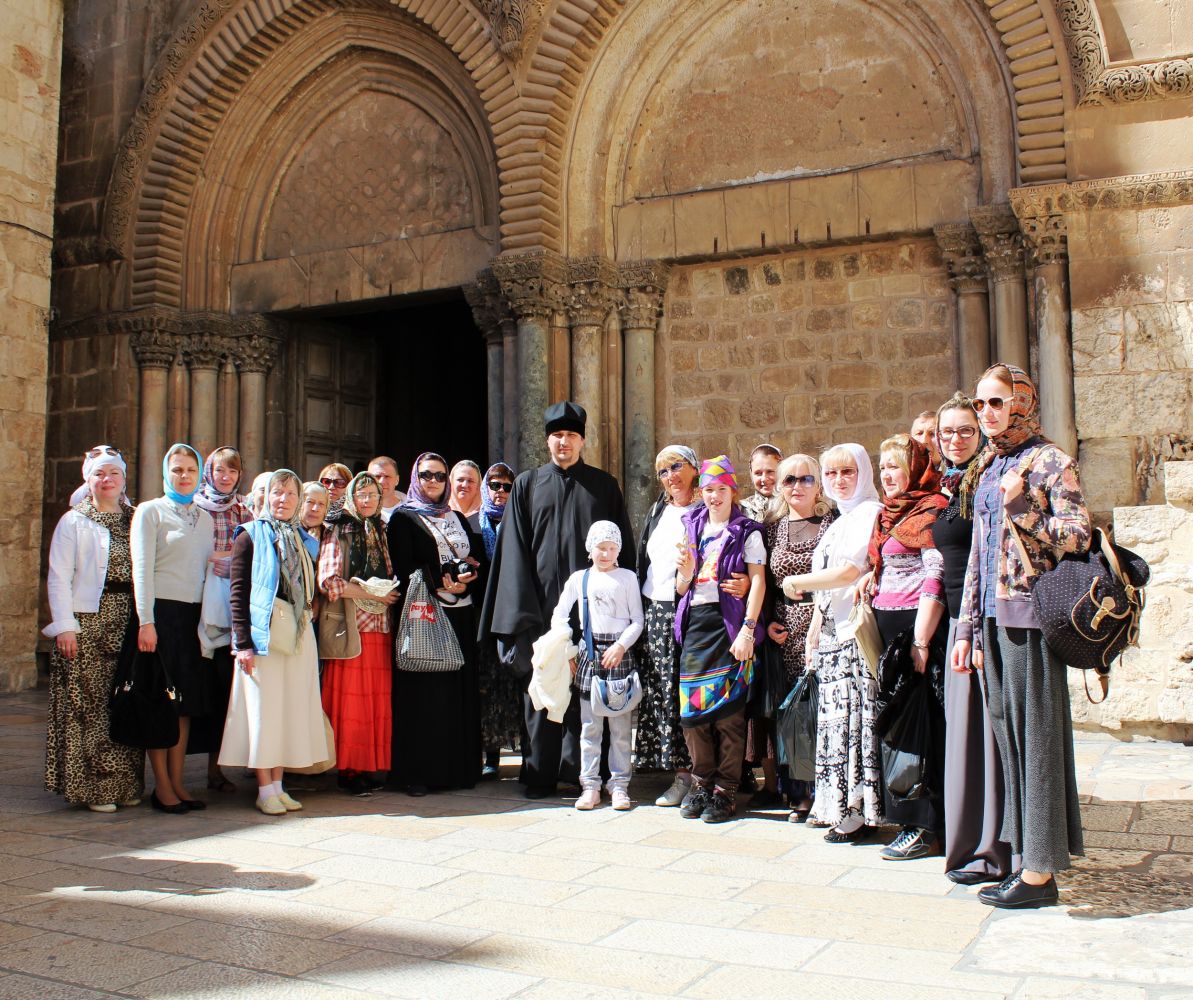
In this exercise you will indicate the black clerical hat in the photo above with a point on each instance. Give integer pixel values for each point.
(565, 416)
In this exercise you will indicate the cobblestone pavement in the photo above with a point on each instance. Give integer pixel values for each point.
(482, 894)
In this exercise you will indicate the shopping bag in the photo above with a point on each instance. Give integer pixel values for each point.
(795, 729)
(907, 745)
(427, 643)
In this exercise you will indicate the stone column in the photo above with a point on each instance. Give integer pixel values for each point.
(998, 230)
(179, 404)
(511, 413)
(256, 356)
(228, 403)
(155, 352)
(202, 354)
(1046, 235)
(590, 296)
(487, 305)
(967, 274)
(534, 283)
(643, 285)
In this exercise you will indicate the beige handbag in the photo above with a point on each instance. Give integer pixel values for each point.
(323, 765)
(339, 638)
(283, 629)
(862, 627)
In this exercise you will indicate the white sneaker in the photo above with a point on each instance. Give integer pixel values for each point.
(590, 798)
(271, 806)
(675, 794)
(621, 800)
(102, 807)
(292, 805)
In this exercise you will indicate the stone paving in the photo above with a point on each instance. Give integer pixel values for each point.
(483, 894)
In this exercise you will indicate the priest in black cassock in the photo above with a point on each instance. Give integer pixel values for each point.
(541, 543)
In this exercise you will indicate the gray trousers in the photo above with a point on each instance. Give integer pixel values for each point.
(1028, 695)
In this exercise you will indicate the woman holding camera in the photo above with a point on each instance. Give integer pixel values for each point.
(436, 716)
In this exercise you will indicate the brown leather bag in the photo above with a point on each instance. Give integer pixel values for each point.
(339, 638)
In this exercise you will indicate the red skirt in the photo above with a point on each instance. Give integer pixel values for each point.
(356, 698)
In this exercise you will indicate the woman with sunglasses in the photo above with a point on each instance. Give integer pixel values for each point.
(500, 694)
(436, 732)
(848, 793)
(1025, 497)
(89, 582)
(973, 785)
(659, 743)
(219, 497)
(357, 689)
(791, 538)
(172, 540)
(335, 477)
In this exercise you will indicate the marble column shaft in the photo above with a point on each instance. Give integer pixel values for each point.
(998, 230)
(640, 309)
(495, 373)
(257, 357)
(203, 361)
(967, 275)
(228, 404)
(154, 353)
(511, 415)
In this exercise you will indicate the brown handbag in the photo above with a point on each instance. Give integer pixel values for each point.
(339, 638)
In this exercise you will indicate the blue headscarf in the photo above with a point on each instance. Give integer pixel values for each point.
(173, 494)
(416, 500)
(491, 511)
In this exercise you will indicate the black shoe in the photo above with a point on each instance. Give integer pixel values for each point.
(766, 799)
(719, 809)
(492, 769)
(963, 877)
(375, 784)
(539, 792)
(178, 809)
(855, 836)
(1014, 894)
(194, 805)
(694, 803)
(749, 781)
(911, 843)
(416, 791)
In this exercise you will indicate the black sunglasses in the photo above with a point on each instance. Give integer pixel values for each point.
(337, 484)
(428, 476)
(994, 402)
(103, 449)
(497, 486)
(799, 480)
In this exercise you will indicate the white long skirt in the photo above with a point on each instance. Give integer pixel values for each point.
(275, 716)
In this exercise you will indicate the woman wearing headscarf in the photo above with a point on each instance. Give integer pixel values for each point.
(500, 694)
(659, 742)
(275, 719)
(464, 486)
(357, 691)
(908, 593)
(437, 734)
(171, 541)
(219, 497)
(848, 793)
(91, 603)
(973, 785)
(1029, 512)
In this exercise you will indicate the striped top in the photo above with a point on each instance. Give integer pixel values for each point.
(906, 574)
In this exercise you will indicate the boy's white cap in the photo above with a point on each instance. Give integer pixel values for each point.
(602, 531)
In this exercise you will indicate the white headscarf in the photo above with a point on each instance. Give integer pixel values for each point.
(107, 456)
(865, 488)
(602, 531)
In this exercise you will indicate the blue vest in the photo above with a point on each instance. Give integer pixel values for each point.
(265, 577)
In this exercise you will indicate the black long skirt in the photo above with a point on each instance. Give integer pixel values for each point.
(177, 624)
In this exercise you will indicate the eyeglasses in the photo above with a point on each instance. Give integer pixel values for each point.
(366, 496)
(428, 476)
(497, 486)
(671, 470)
(336, 484)
(103, 449)
(994, 402)
(964, 433)
(805, 481)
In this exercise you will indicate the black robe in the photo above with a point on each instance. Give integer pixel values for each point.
(541, 544)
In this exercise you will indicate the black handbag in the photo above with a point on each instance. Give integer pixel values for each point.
(907, 745)
(1089, 605)
(144, 707)
(795, 729)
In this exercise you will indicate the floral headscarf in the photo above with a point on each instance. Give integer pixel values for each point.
(417, 501)
(367, 554)
(908, 516)
(208, 497)
(491, 512)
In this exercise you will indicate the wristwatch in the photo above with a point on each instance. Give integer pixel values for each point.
(750, 623)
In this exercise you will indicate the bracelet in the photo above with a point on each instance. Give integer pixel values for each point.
(919, 644)
(685, 580)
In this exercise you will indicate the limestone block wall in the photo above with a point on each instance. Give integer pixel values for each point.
(1152, 689)
(804, 349)
(30, 67)
(1131, 272)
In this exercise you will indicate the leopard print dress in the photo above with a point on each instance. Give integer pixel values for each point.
(82, 763)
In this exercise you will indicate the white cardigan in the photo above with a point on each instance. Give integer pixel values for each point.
(78, 569)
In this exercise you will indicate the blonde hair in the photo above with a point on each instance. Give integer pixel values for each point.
(669, 455)
(898, 447)
(777, 509)
(837, 453)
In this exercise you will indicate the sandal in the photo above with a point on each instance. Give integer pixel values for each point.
(837, 837)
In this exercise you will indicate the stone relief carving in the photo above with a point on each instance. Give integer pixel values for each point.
(1133, 191)
(643, 284)
(535, 282)
(962, 252)
(1002, 242)
(490, 308)
(507, 18)
(591, 294)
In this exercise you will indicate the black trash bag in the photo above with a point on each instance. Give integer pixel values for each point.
(795, 729)
(907, 745)
(769, 686)
(144, 707)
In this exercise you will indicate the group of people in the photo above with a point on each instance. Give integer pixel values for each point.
(279, 617)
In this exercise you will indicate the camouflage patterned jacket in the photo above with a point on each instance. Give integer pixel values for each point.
(1052, 520)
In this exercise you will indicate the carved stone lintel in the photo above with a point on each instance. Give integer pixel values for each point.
(962, 252)
(535, 283)
(643, 284)
(1002, 243)
(592, 290)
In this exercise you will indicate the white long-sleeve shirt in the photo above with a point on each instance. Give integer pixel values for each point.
(170, 549)
(614, 604)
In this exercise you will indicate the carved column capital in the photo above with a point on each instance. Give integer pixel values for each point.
(154, 348)
(962, 252)
(535, 283)
(591, 290)
(255, 353)
(1002, 242)
(204, 351)
(643, 284)
(490, 308)
(1042, 222)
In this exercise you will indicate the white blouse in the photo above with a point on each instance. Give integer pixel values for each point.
(847, 541)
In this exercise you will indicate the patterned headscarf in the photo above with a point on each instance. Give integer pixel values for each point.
(294, 562)
(600, 532)
(865, 490)
(417, 501)
(100, 455)
(210, 498)
(181, 498)
(718, 470)
(1023, 427)
(492, 512)
(367, 554)
(683, 451)
(908, 516)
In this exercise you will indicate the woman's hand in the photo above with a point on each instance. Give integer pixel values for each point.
(221, 563)
(1011, 485)
(466, 578)
(68, 644)
(612, 656)
(246, 659)
(743, 646)
(919, 659)
(863, 590)
(685, 564)
(147, 639)
(572, 664)
(959, 658)
(777, 633)
(737, 585)
(793, 587)
(810, 658)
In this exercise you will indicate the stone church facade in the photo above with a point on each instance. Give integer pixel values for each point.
(302, 225)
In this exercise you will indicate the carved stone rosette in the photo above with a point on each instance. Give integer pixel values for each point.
(535, 283)
(1002, 242)
(962, 252)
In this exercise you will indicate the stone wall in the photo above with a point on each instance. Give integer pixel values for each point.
(30, 43)
(804, 349)
(1151, 690)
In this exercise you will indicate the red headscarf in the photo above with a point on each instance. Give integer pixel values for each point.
(908, 516)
